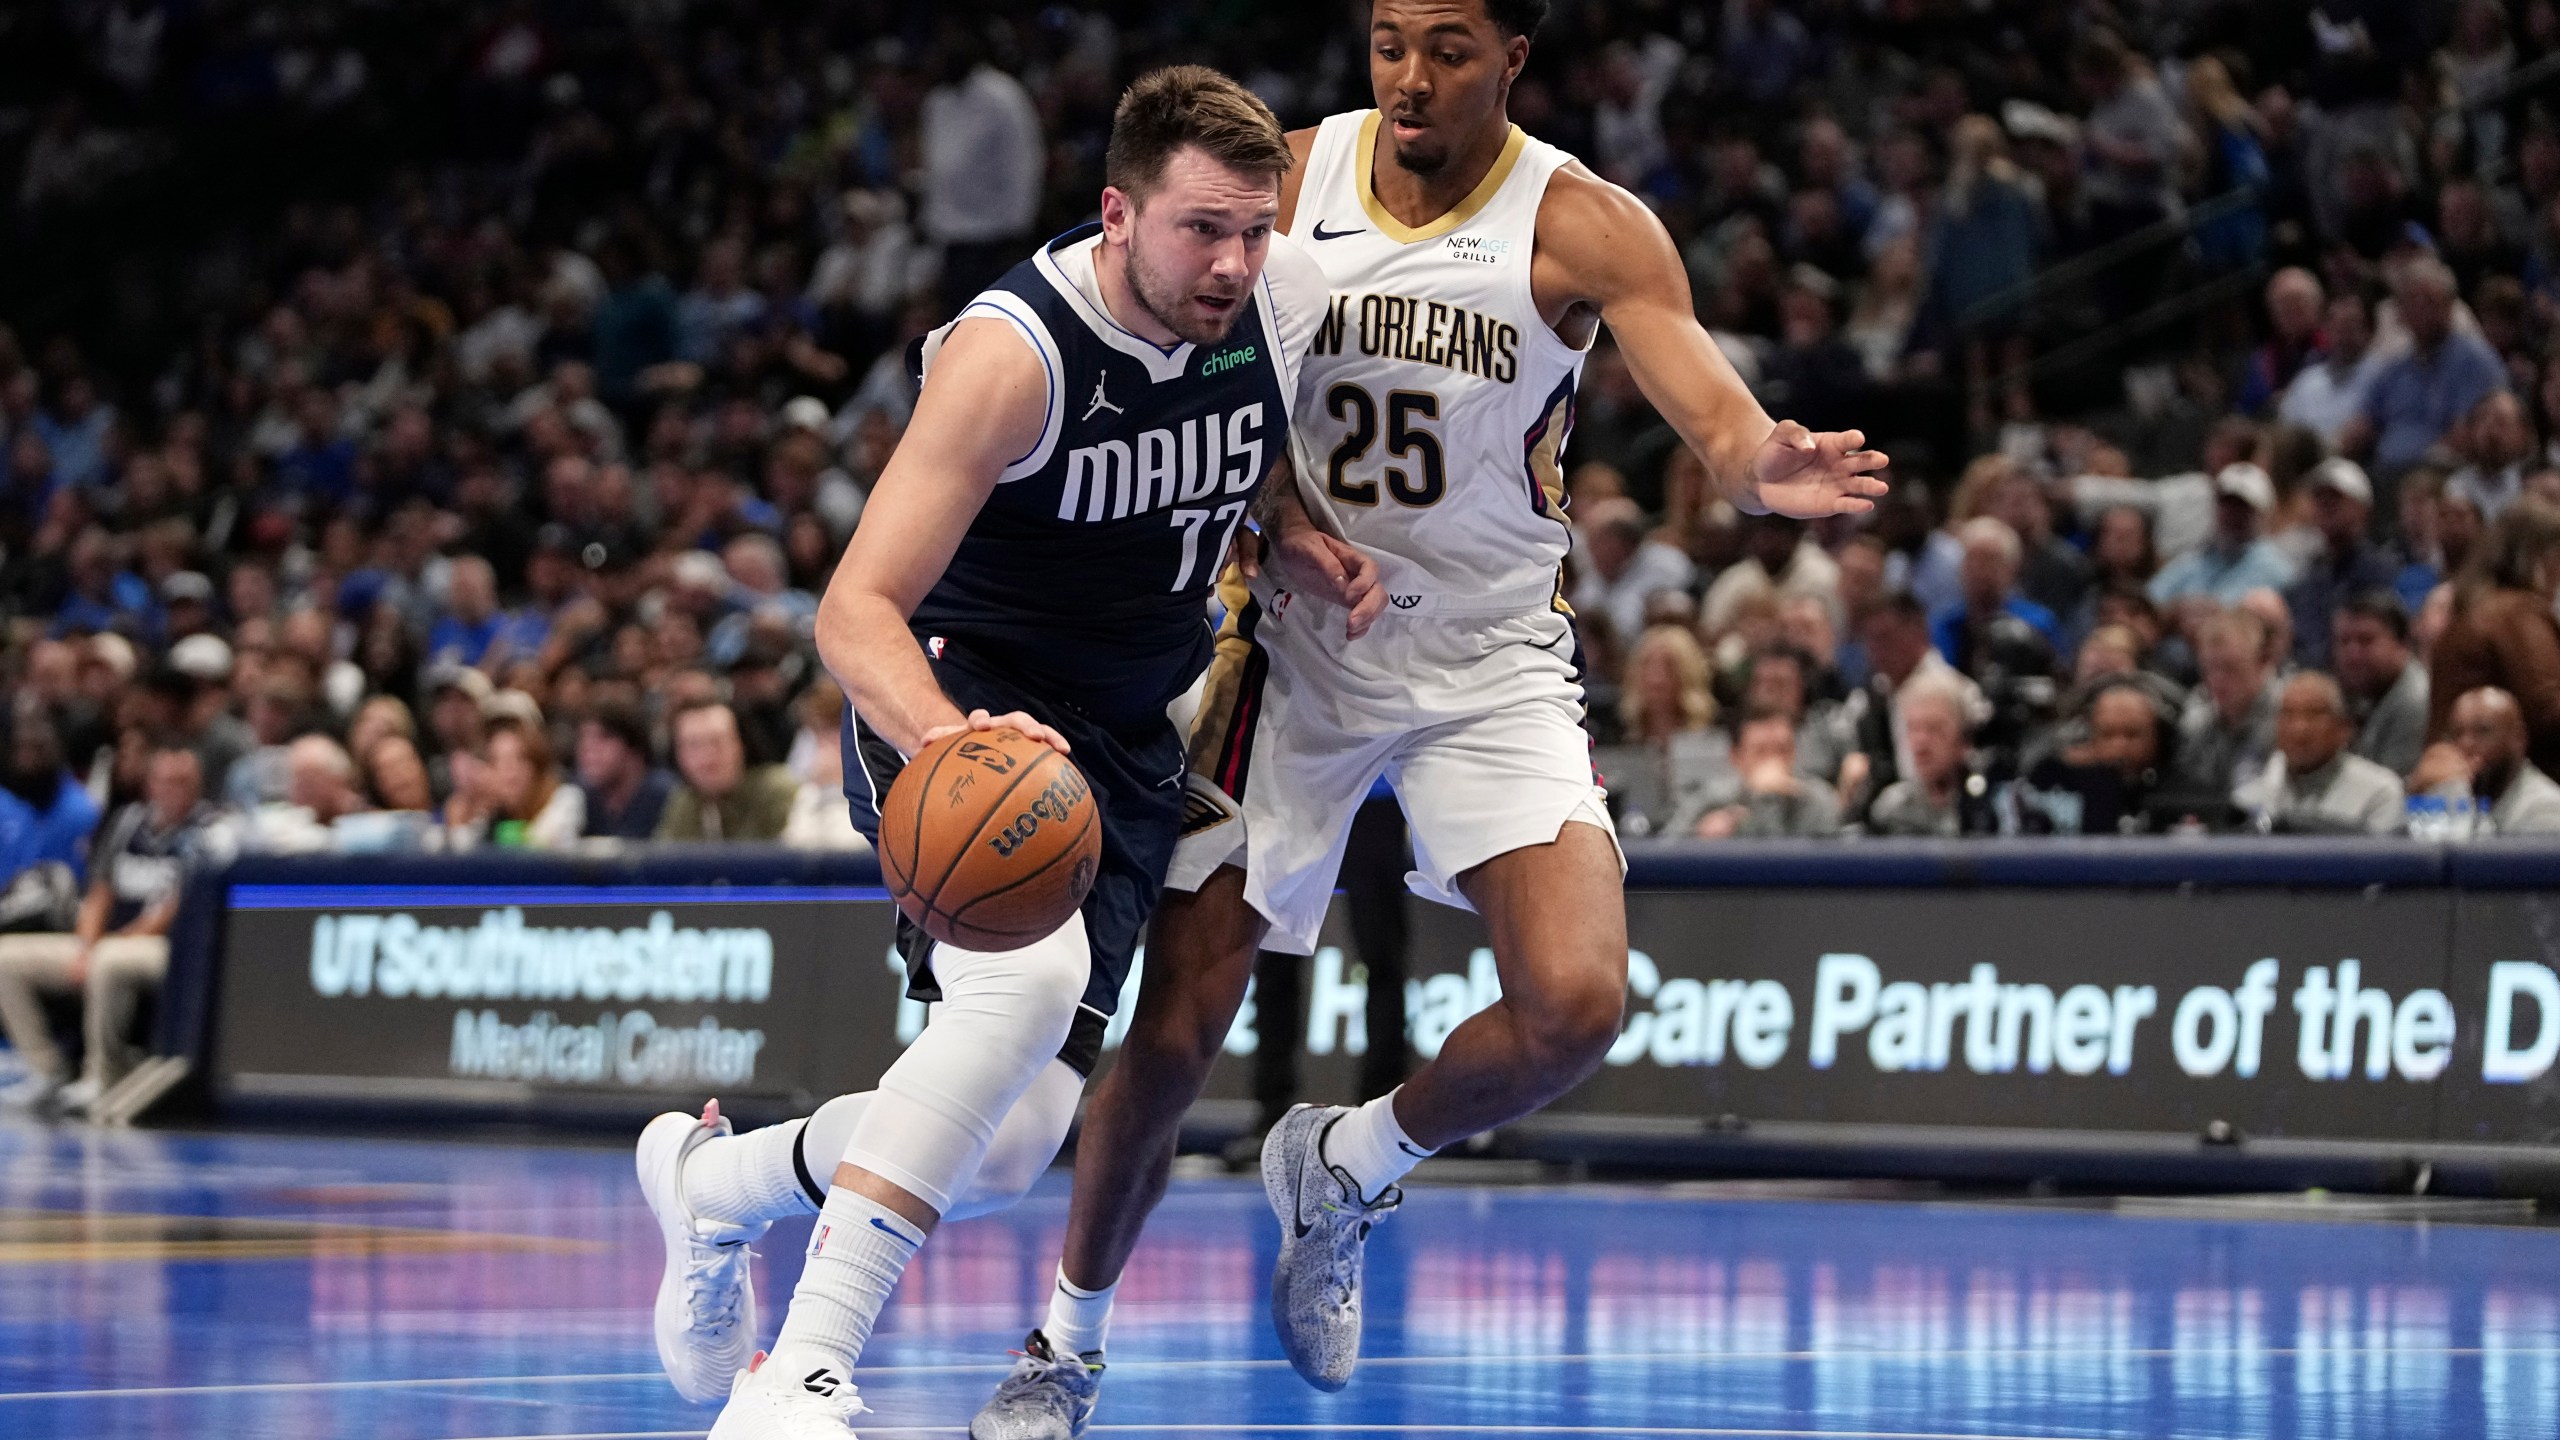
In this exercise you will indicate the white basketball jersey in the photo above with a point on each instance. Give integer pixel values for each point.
(1433, 403)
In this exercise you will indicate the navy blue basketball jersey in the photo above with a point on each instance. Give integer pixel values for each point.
(1087, 573)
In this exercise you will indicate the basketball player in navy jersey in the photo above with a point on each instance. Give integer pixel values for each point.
(1037, 555)
(1471, 267)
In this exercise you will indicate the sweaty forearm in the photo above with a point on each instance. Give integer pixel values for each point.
(866, 645)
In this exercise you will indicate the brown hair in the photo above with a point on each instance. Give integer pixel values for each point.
(537, 754)
(2511, 555)
(1181, 105)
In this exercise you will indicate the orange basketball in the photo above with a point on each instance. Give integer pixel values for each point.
(989, 839)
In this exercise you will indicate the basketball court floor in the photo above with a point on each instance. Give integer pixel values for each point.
(202, 1287)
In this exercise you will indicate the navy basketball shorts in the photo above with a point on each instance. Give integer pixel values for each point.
(1137, 779)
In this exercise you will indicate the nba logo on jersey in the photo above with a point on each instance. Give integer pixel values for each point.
(933, 647)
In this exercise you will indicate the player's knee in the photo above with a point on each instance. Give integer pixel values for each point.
(1570, 1027)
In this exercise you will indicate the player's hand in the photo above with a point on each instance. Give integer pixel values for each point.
(1333, 570)
(1016, 720)
(1796, 472)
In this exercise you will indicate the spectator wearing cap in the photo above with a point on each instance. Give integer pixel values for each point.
(194, 688)
(2496, 443)
(1623, 567)
(2421, 396)
(2315, 784)
(2228, 728)
(2345, 563)
(186, 603)
(2385, 686)
(2488, 732)
(2329, 392)
(2237, 558)
(722, 797)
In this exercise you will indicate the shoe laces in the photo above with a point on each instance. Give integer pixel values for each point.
(1349, 1219)
(1039, 1374)
(714, 1289)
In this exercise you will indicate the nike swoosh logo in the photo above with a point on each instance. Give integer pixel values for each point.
(1415, 1152)
(885, 1228)
(1323, 234)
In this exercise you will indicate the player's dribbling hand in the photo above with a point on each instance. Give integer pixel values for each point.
(1016, 720)
(1798, 473)
(1332, 570)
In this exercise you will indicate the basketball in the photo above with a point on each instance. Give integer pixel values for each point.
(989, 839)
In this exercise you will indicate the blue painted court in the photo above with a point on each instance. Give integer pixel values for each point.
(203, 1288)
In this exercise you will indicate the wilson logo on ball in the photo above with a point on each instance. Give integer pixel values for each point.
(1055, 803)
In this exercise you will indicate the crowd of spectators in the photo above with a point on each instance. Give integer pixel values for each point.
(482, 496)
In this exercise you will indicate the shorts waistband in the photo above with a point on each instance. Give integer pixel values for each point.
(1519, 600)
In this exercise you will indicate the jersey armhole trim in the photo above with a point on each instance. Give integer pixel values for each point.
(1004, 305)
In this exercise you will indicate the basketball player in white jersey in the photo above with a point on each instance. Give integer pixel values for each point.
(1471, 268)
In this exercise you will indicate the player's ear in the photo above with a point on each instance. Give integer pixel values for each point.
(1119, 214)
(1515, 58)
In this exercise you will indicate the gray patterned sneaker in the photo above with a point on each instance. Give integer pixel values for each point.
(1315, 1284)
(1045, 1398)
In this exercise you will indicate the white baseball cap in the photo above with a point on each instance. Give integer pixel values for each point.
(2244, 481)
(2344, 476)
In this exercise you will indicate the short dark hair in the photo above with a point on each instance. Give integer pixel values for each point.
(1900, 605)
(2382, 607)
(1517, 17)
(1181, 105)
(624, 722)
(695, 707)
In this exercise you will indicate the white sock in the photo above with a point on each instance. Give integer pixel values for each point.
(1370, 1144)
(856, 1254)
(1078, 1318)
(748, 1179)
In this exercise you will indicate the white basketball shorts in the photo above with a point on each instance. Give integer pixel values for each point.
(1475, 721)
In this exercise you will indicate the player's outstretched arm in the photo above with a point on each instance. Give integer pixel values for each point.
(1599, 247)
(984, 403)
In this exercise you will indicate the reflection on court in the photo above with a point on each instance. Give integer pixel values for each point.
(200, 1287)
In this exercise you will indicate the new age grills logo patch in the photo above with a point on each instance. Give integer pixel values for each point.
(1479, 249)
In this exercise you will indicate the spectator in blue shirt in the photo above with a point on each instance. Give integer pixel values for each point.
(471, 619)
(75, 431)
(2417, 399)
(2236, 560)
(104, 595)
(322, 462)
(1989, 580)
(44, 813)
